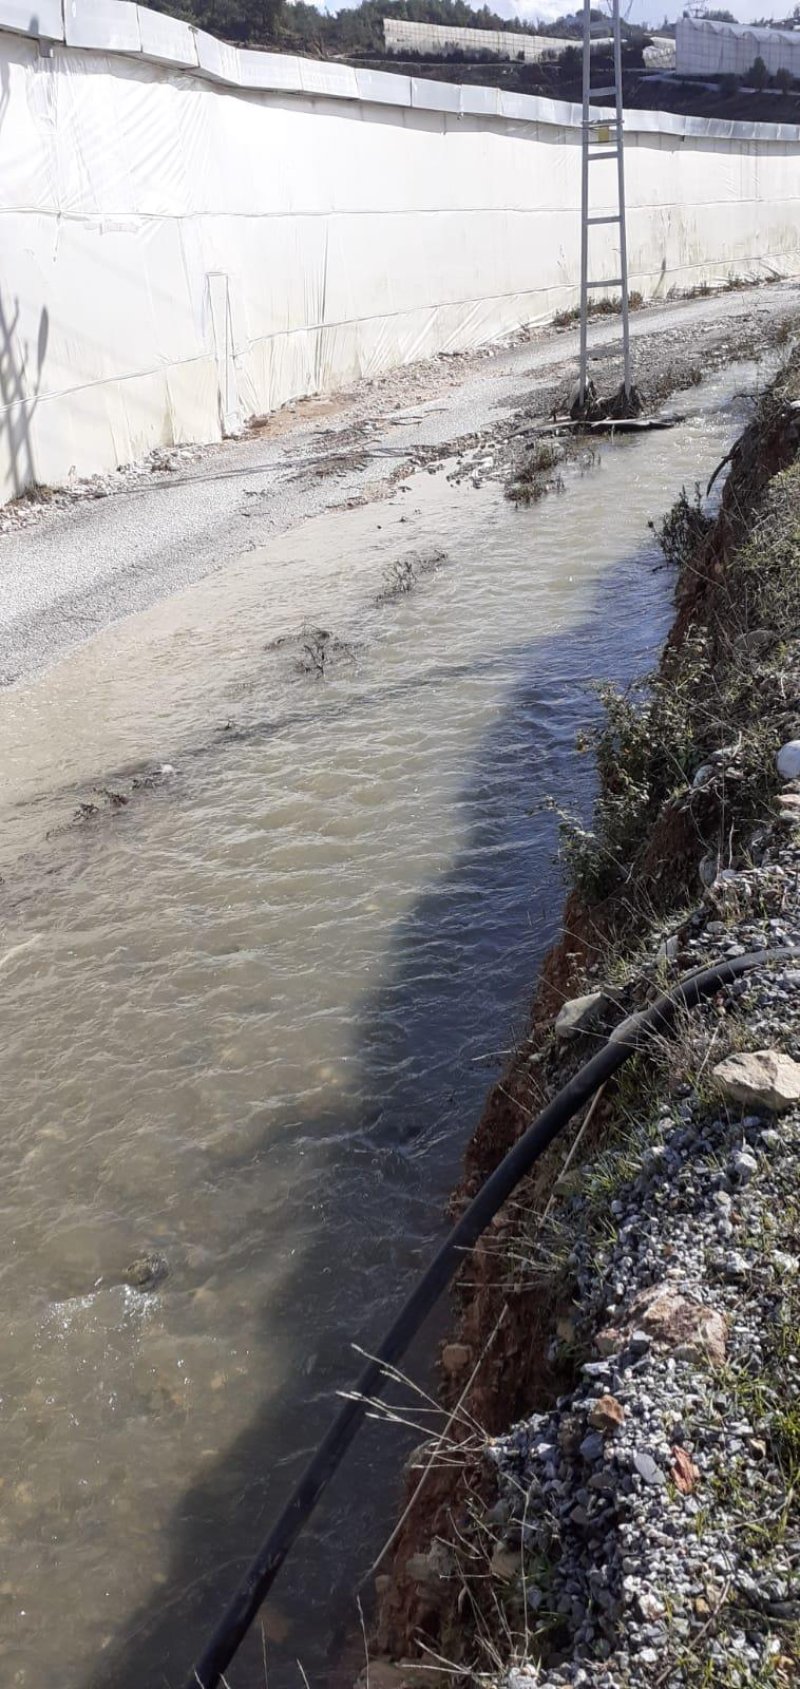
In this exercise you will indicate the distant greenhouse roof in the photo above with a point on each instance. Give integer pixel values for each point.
(707, 48)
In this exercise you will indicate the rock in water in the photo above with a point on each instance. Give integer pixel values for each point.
(146, 1272)
(760, 1078)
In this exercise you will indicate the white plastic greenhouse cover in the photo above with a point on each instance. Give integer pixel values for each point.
(193, 233)
(706, 48)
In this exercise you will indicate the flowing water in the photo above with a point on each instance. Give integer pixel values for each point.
(249, 1018)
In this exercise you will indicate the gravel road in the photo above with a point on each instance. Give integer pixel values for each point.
(112, 546)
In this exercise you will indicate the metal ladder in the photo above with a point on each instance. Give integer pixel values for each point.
(602, 140)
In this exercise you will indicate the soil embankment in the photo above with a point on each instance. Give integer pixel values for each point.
(634, 1313)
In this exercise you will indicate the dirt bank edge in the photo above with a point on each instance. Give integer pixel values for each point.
(674, 825)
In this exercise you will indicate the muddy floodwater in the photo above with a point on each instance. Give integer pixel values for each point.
(250, 1014)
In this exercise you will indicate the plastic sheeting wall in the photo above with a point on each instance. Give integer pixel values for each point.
(178, 254)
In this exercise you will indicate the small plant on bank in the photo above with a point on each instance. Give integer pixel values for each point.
(683, 528)
(645, 750)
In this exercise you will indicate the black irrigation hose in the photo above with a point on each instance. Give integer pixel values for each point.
(624, 1041)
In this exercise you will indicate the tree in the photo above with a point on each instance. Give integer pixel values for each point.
(784, 80)
(758, 75)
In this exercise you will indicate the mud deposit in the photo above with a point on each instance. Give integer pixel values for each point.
(273, 903)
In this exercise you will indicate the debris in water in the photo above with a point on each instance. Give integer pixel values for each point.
(403, 574)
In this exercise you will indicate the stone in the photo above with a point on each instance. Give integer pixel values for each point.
(455, 1357)
(603, 1480)
(592, 1446)
(579, 1014)
(764, 1078)
(743, 1165)
(683, 1472)
(668, 949)
(146, 1272)
(609, 1341)
(674, 1321)
(648, 1469)
(607, 1414)
(788, 760)
(789, 800)
(649, 1606)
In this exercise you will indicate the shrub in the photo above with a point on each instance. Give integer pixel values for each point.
(683, 528)
(570, 62)
(758, 75)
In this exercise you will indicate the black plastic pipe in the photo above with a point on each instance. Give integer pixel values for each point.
(624, 1041)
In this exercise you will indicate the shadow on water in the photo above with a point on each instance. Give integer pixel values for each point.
(460, 974)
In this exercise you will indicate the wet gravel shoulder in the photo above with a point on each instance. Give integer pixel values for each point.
(653, 1513)
(76, 559)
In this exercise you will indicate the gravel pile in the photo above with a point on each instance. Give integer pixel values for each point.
(652, 1511)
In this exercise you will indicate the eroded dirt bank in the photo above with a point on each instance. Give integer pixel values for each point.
(634, 1313)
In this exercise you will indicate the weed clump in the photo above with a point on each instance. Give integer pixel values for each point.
(683, 529)
(538, 473)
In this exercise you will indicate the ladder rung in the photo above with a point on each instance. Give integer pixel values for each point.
(611, 281)
(597, 93)
(613, 217)
(612, 153)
